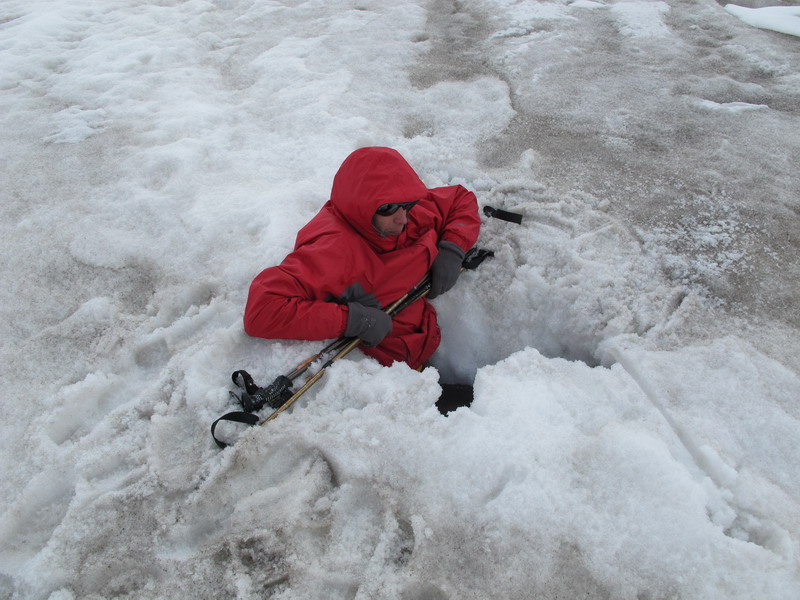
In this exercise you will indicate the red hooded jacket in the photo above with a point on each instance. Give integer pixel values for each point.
(340, 246)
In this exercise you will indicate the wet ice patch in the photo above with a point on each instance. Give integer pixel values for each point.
(724, 92)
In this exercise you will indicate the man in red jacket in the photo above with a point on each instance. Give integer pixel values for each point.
(381, 231)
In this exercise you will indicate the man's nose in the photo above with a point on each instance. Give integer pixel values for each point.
(401, 216)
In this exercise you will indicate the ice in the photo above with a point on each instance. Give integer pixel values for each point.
(633, 343)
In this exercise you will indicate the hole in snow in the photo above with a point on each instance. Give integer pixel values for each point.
(564, 281)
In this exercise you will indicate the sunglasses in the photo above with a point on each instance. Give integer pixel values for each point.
(386, 210)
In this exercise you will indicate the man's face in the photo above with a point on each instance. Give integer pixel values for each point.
(393, 224)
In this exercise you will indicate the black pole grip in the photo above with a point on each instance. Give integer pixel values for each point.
(503, 215)
(273, 396)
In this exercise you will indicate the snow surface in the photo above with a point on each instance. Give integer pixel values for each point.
(634, 343)
(783, 19)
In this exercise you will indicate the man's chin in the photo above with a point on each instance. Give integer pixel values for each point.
(392, 232)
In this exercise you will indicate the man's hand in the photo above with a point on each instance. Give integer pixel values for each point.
(369, 324)
(446, 268)
(356, 293)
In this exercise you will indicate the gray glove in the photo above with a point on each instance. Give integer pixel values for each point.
(356, 293)
(368, 323)
(446, 268)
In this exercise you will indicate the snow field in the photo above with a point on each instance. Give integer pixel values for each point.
(629, 438)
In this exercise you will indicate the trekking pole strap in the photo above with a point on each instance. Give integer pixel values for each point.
(235, 417)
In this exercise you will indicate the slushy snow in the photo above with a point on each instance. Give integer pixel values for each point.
(633, 343)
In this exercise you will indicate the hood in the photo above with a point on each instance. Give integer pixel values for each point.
(368, 178)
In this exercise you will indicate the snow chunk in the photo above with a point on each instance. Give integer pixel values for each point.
(783, 19)
(75, 124)
(586, 4)
(641, 19)
(734, 107)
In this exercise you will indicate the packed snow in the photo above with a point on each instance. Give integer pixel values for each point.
(783, 19)
(633, 343)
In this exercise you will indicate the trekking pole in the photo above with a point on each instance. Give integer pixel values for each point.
(279, 395)
(471, 261)
(254, 398)
(418, 291)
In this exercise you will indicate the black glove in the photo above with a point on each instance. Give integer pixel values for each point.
(368, 323)
(446, 268)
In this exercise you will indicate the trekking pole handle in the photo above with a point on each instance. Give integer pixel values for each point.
(312, 380)
(472, 259)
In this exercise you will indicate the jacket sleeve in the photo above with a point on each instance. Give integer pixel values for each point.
(461, 222)
(289, 301)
